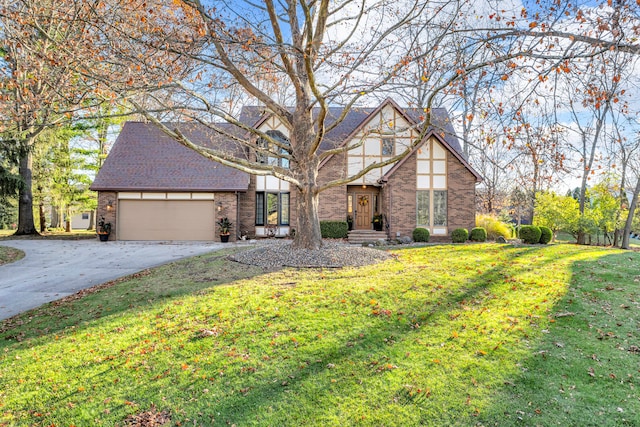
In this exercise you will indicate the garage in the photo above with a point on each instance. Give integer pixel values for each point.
(166, 220)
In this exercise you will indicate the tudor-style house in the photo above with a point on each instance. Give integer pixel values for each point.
(153, 188)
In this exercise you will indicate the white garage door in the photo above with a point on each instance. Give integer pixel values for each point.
(166, 220)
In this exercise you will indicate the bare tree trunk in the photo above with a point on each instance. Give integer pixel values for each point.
(26, 224)
(67, 225)
(92, 220)
(43, 222)
(632, 209)
(55, 217)
(308, 235)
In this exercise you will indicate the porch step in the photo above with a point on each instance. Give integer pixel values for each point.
(358, 237)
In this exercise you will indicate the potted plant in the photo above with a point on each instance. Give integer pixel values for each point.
(104, 229)
(225, 229)
(350, 222)
(377, 222)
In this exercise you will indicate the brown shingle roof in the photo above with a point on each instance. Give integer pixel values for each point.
(143, 158)
(439, 118)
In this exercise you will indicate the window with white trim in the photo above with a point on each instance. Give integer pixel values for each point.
(431, 208)
(272, 208)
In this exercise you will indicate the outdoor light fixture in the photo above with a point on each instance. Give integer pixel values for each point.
(219, 206)
(110, 205)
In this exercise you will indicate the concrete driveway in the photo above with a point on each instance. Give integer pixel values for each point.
(53, 269)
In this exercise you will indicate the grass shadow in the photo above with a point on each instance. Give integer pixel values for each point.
(584, 370)
(439, 327)
(137, 291)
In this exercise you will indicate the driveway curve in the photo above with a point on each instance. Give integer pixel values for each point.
(54, 269)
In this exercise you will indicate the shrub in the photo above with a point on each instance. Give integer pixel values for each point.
(478, 234)
(545, 235)
(420, 235)
(494, 227)
(459, 235)
(530, 234)
(334, 229)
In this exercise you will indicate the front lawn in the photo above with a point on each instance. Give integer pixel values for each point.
(479, 334)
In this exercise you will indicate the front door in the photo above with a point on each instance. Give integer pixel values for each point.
(363, 211)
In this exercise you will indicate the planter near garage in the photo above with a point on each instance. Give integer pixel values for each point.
(104, 230)
(225, 229)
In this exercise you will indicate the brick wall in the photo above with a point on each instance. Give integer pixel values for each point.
(399, 199)
(228, 208)
(109, 214)
(461, 201)
(332, 203)
(247, 209)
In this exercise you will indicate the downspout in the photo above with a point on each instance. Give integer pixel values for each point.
(238, 232)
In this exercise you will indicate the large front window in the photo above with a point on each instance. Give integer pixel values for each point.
(431, 208)
(272, 208)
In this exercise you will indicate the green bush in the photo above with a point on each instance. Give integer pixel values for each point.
(459, 235)
(494, 227)
(478, 234)
(545, 235)
(420, 235)
(334, 229)
(530, 234)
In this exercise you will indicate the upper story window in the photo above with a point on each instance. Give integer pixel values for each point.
(388, 145)
(279, 151)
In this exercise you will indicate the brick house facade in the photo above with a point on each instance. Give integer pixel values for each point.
(147, 192)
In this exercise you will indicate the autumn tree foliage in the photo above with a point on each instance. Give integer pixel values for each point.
(295, 59)
(40, 86)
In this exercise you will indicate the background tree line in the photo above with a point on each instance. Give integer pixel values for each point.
(543, 93)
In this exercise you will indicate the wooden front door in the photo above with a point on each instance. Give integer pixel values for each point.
(363, 211)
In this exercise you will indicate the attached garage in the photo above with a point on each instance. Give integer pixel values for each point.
(150, 187)
(165, 219)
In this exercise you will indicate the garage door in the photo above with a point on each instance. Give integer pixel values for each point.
(166, 220)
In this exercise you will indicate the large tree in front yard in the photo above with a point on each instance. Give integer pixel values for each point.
(40, 87)
(295, 59)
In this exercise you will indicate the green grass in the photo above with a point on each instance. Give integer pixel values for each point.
(8, 255)
(57, 235)
(479, 334)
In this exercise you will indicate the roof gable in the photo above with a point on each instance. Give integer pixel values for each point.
(440, 125)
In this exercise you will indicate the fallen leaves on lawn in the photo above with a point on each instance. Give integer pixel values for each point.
(150, 418)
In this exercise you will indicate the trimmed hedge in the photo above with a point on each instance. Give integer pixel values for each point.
(420, 235)
(530, 234)
(459, 235)
(334, 229)
(478, 234)
(545, 235)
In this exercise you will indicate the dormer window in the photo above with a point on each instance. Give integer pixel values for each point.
(279, 150)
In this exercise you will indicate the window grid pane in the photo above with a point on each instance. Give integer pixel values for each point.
(387, 146)
(272, 209)
(284, 209)
(422, 208)
(439, 208)
(259, 208)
